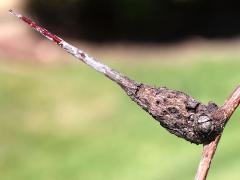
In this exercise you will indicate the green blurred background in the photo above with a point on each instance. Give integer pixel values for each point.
(61, 120)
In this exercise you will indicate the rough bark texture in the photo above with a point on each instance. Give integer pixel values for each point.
(179, 113)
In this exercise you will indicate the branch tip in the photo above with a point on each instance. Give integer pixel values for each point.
(14, 13)
(117, 77)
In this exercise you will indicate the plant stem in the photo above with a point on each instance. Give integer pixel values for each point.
(209, 150)
(127, 84)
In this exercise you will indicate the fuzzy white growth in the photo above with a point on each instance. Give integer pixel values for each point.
(92, 62)
(79, 54)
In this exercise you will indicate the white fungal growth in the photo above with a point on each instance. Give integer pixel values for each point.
(79, 54)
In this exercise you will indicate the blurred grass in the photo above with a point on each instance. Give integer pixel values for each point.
(69, 122)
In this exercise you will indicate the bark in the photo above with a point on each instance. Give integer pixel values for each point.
(180, 114)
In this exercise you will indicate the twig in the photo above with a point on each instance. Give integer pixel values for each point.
(176, 111)
(179, 105)
(122, 80)
(209, 149)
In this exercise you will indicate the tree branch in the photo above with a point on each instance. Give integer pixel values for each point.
(209, 149)
(176, 111)
(126, 83)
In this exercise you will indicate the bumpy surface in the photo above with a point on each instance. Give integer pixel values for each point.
(180, 114)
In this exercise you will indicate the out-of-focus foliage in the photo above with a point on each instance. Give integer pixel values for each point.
(69, 122)
(152, 20)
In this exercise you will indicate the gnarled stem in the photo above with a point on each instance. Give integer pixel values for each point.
(176, 111)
